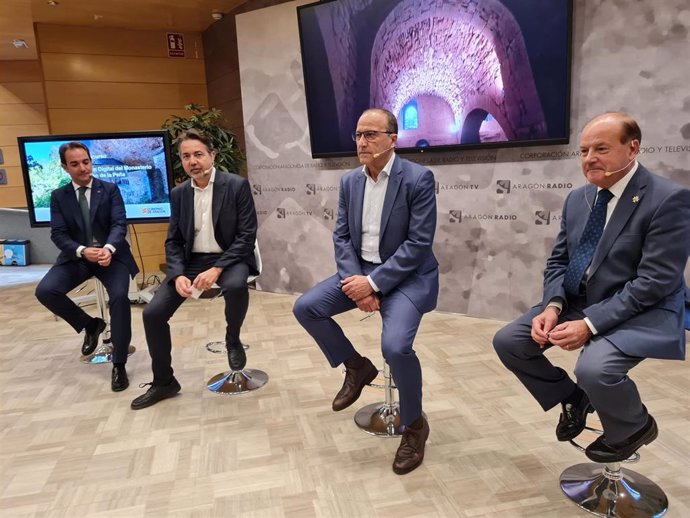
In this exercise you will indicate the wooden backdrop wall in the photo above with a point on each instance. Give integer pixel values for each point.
(102, 80)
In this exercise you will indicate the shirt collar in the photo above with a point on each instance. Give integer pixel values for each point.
(618, 187)
(210, 181)
(88, 185)
(386, 171)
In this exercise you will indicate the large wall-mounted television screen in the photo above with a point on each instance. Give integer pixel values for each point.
(137, 162)
(456, 73)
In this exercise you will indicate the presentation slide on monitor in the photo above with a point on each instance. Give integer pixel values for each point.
(137, 165)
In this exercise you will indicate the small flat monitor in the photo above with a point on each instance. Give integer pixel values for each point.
(139, 163)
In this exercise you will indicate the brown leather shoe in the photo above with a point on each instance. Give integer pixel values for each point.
(410, 453)
(355, 380)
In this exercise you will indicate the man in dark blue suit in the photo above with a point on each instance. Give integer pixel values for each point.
(210, 241)
(383, 251)
(88, 225)
(613, 290)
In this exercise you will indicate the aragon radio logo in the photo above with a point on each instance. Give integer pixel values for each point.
(542, 217)
(455, 216)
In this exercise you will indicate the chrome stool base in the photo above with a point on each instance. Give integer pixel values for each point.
(104, 354)
(237, 382)
(220, 347)
(609, 491)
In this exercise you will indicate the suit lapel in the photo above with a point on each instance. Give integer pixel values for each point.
(357, 204)
(72, 209)
(394, 181)
(625, 207)
(188, 212)
(218, 196)
(96, 198)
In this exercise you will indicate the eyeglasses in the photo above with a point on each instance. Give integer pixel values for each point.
(369, 136)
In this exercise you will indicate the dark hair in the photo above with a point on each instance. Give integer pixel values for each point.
(391, 121)
(72, 145)
(194, 134)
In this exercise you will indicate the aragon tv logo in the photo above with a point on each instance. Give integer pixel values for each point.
(503, 186)
(542, 217)
(311, 188)
(280, 213)
(455, 216)
(256, 189)
(327, 213)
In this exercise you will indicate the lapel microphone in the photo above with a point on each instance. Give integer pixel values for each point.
(376, 155)
(611, 173)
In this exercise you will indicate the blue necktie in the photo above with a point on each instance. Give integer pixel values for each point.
(584, 252)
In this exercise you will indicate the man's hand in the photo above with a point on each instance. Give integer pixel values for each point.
(542, 324)
(104, 257)
(91, 254)
(183, 286)
(356, 287)
(369, 304)
(570, 336)
(206, 279)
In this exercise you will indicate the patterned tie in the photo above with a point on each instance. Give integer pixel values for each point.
(588, 243)
(86, 218)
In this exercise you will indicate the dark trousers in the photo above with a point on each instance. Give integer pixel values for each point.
(61, 278)
(601, 371)
(315, 309)
(233, 283)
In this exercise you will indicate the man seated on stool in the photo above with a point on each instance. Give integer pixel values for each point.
(613, 290)
(88, 225)
(210, 240)
(383, 237)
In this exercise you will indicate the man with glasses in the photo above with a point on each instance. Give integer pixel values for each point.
(383, 250)
(210, 240)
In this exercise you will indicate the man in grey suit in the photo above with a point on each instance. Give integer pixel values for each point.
(210, 240)
(383, 237)
(613, 290)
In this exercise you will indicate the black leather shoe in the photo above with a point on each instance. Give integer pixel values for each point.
(119, 380)
(155, 393)
(237, 358)
(96, 327)
(355, 381)
(573, 419)
(410, 453)
(601, 451)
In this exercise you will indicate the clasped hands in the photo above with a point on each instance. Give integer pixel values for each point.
(569, 336)
(359, 291)
(202, 282)
(94, 254)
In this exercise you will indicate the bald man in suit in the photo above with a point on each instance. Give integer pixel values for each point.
(613, 292)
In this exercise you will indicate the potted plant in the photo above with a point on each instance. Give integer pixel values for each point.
(230, 157)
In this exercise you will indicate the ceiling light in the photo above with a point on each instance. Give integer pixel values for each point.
(52, 3)
(19, 44)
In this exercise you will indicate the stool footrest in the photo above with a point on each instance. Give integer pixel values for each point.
(237, 382)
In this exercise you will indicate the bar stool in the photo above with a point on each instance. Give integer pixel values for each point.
(609, 491)
(238, 381)
(382, 419)
(104, 352)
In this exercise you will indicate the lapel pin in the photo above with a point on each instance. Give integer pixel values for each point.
(636, 199)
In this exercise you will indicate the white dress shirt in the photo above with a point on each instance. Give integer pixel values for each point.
(372, 210)
(204, 236)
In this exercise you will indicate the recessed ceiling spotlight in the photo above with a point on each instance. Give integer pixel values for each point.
(20, 44)
(52, 3)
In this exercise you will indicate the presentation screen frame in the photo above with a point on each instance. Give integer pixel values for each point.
(164, 181)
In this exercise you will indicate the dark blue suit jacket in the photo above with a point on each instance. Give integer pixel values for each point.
(234, 224)
(108, 222)
(635, 287)
(408, 224)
